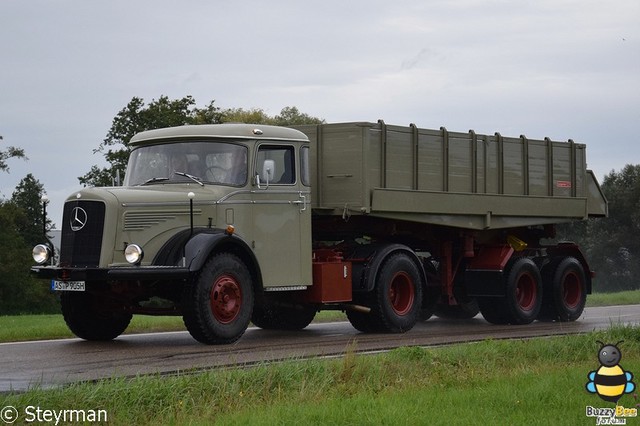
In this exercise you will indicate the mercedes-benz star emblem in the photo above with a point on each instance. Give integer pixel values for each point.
(78, 218)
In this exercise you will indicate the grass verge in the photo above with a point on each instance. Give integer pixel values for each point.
(536, 381)
(630, 297)
(40, 327)
(21, 328)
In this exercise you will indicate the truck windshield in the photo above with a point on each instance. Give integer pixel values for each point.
(218, 163)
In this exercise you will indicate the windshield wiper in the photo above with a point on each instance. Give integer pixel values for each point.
(155, 179)
(193, 178)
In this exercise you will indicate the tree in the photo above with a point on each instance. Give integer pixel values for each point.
(10, 152)
(28, 198)
(617, 241)
(240, 115)
(289, 116)
(623, 193)
(611, 244)
(137, 117)
(19, 291)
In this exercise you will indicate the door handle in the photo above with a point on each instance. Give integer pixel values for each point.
(303, 202)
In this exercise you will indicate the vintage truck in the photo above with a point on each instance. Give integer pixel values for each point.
(234, 223)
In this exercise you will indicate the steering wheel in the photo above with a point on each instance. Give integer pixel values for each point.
(216, 173)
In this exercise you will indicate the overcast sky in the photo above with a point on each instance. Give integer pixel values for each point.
(562, 69)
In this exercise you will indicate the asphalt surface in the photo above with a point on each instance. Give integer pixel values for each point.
(57, 362)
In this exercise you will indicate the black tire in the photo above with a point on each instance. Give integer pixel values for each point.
(398, 295)
(464, 310)
(492, 309)
(430, 299)
(271, 317)
(427, 313)
(87, 319)
(565, 290)
(523, 295)
(363, 322)
(217, 305)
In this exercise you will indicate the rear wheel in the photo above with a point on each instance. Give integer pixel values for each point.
(88, 319)
(565, 290)
(523, 295)
(272, 317)
(398, 294)
(363, 321)
(464, 310)
(395, 301)
(430, 298)
(217, 305)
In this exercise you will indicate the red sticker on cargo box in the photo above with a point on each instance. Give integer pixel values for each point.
(563, 184)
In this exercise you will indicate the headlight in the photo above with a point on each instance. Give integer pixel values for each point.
(133, 253)
(41, 253)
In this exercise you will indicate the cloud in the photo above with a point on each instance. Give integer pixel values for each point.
(544, 68)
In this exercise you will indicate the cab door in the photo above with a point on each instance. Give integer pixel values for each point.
(281, 217)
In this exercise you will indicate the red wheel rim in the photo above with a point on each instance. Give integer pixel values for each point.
(526, 292)
(225, 299)
(401, 293)
(571, 290)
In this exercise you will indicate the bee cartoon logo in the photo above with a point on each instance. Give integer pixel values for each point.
(610, 381)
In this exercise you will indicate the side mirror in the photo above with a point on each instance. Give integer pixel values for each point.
(268, 171)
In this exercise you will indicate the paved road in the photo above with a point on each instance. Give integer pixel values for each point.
(55, 362)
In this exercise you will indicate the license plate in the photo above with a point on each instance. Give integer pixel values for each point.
(67, 285)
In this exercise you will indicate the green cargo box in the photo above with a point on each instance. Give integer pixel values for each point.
(465, 180)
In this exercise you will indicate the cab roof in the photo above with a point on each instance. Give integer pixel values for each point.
(227, 130)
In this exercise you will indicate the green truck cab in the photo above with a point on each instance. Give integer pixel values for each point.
(233, 223)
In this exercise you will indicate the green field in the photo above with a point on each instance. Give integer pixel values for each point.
(512, 382)
(534, 381)
(21, 328)
(630, 297)
(39, 327)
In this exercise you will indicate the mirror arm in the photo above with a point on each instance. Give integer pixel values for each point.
(258, 182)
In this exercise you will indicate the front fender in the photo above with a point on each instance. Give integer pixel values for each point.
(191, 251)
(196, 248)
(365, 273)
(200, 247)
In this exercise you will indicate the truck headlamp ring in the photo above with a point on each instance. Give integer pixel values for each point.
(134, 254)
(41, 253)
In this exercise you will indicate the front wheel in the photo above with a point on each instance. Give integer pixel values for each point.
(217, 305)
(89, 319)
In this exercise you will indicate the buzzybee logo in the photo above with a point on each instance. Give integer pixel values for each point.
(610, 381)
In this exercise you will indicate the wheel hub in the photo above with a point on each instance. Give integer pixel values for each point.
(571, 290)
(526, 292)
(225, 299)
(401, 293)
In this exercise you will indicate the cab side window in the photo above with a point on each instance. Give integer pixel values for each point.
(281, 159)
(304, 166)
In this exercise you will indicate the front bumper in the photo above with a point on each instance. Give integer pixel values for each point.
(168, 273)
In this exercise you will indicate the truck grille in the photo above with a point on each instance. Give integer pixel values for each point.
(137, 221)
(82, 228)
